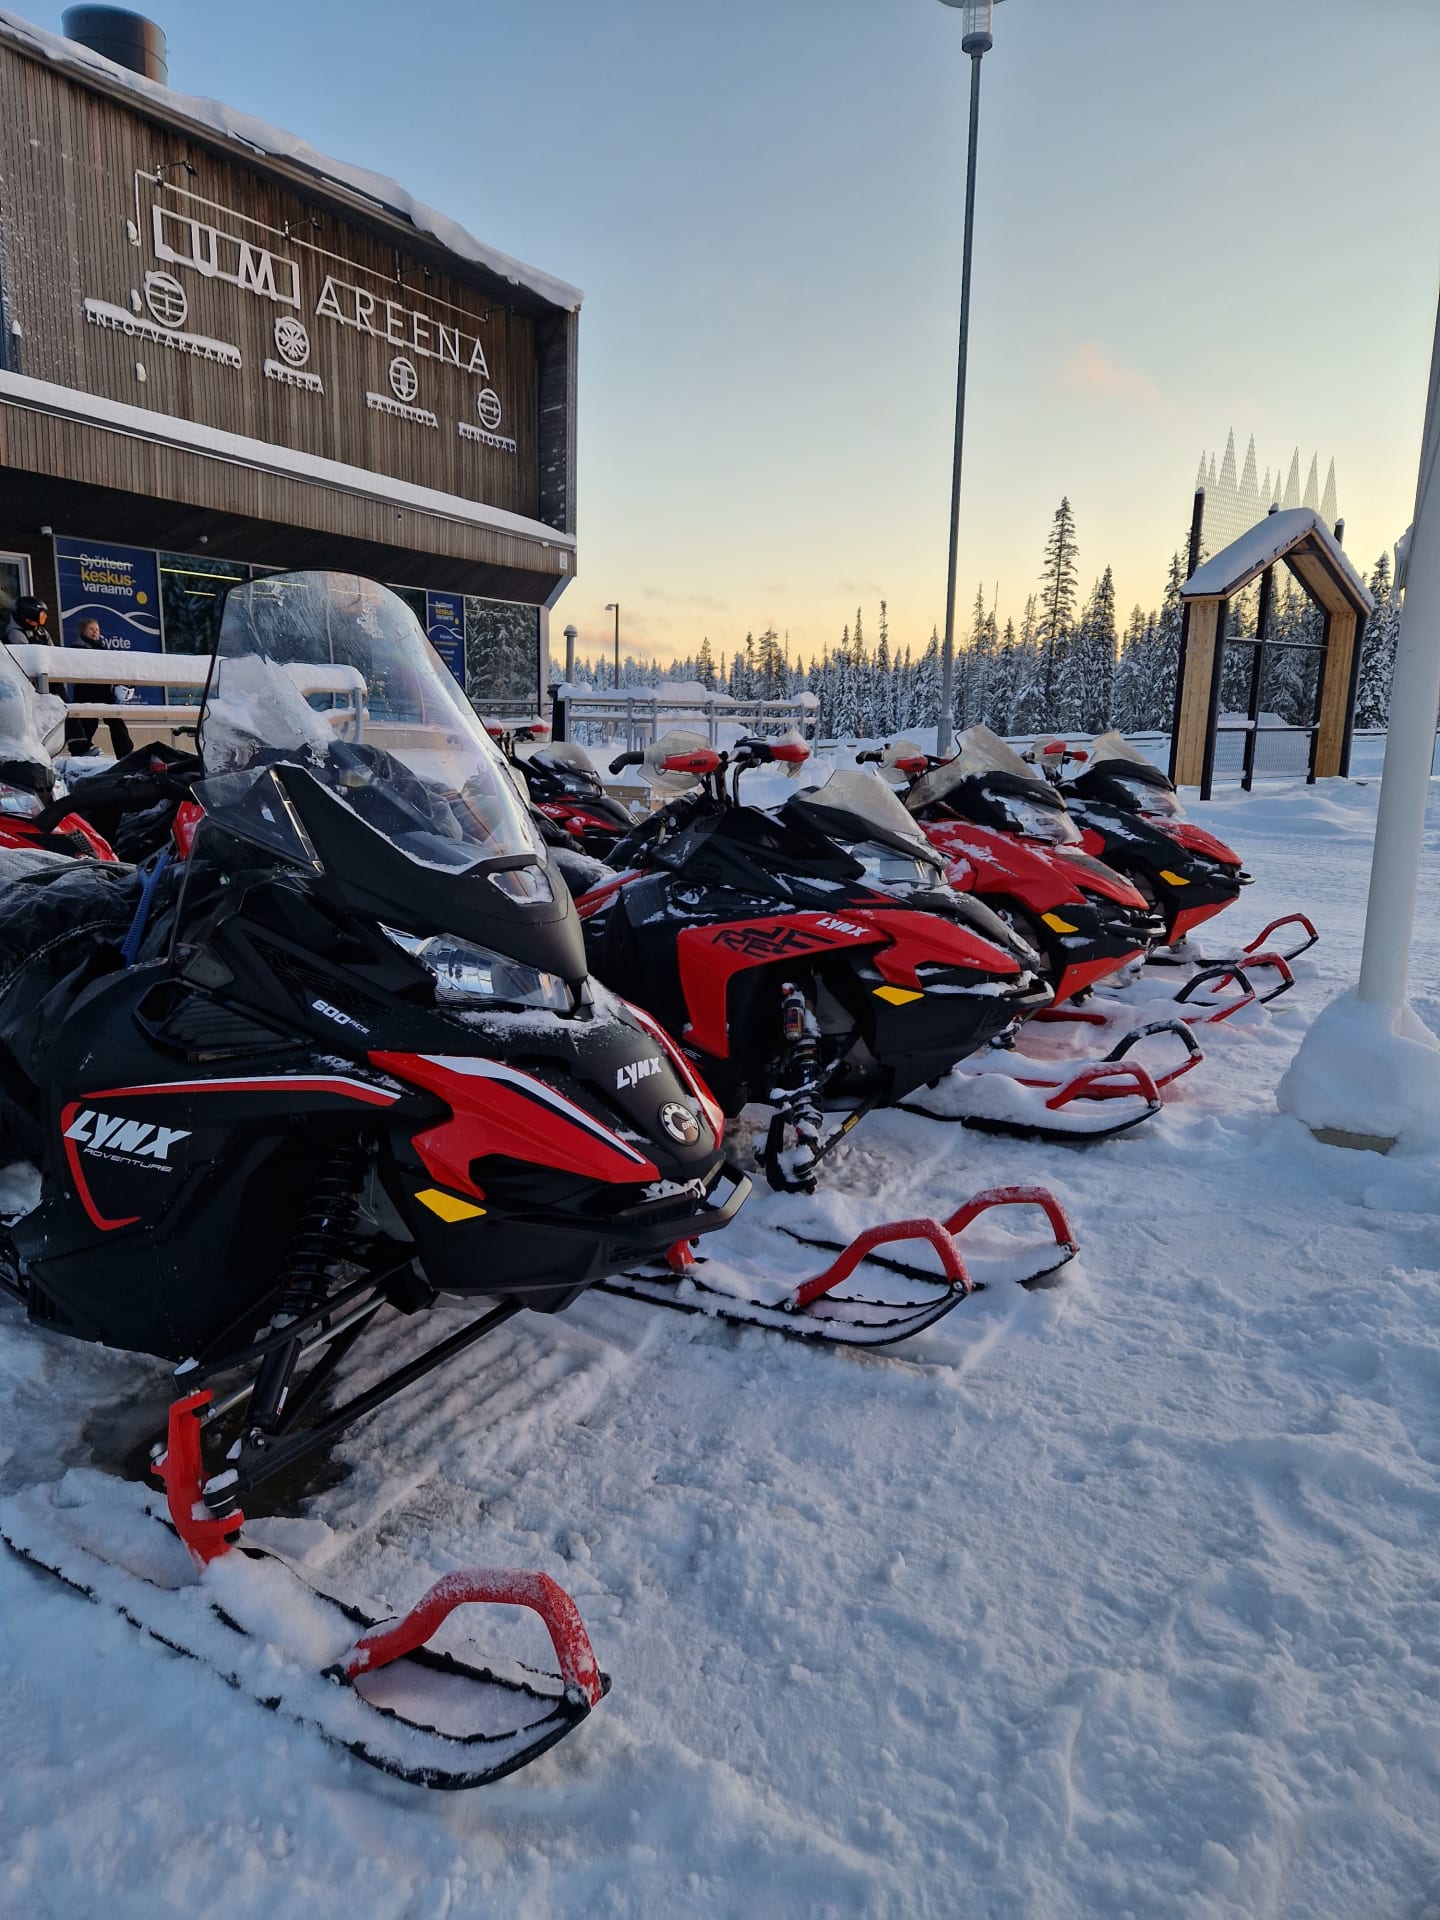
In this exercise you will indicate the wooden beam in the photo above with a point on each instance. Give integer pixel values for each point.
(1335, 694)
(1200, 668)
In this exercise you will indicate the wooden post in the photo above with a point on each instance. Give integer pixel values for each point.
(1197, 523)
(1192, 703)
(1212, 710)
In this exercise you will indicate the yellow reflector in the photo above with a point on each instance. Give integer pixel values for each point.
(897, 996)
(1056, 924)
(1173, 879)
(448, 1206)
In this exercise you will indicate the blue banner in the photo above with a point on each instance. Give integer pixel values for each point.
(118, 589)
(445, 628)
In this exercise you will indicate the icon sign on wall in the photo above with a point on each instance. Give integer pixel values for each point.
(119, 589)
(445, 626)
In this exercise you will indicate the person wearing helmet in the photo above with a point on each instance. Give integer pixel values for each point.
(27, 624)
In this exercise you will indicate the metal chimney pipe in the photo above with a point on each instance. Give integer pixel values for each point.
(129, 39)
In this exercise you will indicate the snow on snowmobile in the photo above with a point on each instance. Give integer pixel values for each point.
(1130, 816)
(1016, 1084)
(354, 1066)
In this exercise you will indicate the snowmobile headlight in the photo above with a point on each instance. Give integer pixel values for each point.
(15, 800)
(1040, 822)
(467, 975)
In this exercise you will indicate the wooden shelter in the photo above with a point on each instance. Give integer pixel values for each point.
(1301, 541)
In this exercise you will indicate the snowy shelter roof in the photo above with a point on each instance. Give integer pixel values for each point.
(214, 121)
(1299, 538)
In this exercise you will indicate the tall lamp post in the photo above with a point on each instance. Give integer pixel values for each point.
(977, 39)
(613, 606)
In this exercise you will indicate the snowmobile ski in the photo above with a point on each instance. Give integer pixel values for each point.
(996, 1268)
(1005, 1091)
(373, 1688)
(890, 1303)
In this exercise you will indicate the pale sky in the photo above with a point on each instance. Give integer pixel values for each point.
(1191, 217)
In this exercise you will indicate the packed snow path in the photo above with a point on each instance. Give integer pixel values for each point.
(1116, 1600)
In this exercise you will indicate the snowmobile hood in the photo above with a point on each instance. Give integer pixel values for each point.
(1187, 834)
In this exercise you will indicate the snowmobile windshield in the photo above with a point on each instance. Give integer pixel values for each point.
(24, 762)
(331, 673)
(1150, 790)
(567, 760)
(978, 753)
(863, 813)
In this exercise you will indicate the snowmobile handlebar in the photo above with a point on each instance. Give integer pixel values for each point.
(623, 760)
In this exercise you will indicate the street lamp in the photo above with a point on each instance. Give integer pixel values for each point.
(613, 606)
(976, 39)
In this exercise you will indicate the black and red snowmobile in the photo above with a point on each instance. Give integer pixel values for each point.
(787, 968)
(1083, 928)
(1130, 816)
(1025, 820)
(346, 1063)
(564, 785)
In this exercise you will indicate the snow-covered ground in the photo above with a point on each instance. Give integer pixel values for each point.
(1117, 1600)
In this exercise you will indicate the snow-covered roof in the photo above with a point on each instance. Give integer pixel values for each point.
(1265, 543)
(213, 120)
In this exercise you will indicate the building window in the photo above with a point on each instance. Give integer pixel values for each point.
(192, 587)
(14, 580)
(502, 655)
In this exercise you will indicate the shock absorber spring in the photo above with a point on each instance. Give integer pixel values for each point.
(801, 1073)
(321, 1240)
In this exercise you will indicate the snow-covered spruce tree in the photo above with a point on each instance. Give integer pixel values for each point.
(705, 665)
(1377, 655)
(882, 678)
(925, 703)
(771, 675)
(1129, 699)
(1093, 652)
(1058, 580)
(1165, 673)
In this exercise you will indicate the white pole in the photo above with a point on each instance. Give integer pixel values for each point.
(1410, 742)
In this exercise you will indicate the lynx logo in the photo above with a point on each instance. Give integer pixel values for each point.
(841, 926)
(631, 1076)
(141, 1139)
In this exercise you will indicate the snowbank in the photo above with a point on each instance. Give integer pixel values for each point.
(1367, 1070)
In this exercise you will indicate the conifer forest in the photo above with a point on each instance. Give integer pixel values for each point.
(1070, 665)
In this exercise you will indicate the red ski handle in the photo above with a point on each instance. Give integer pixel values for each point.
(1286, 920)
(182, 1469)
(1106, 1081)
(503, 1586)
(864, 1243)
(1016, 1197)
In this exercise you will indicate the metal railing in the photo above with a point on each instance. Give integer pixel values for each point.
(642, 716)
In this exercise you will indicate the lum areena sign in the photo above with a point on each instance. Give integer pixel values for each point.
(193, 241)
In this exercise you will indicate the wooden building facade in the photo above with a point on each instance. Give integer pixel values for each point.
(221, 353)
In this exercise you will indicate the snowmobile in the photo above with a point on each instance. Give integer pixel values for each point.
(783, 960)
(1130, 816)
(35, 812)
(346, 1062)
(1024, 824)
(564, 785)
(1017, 1084)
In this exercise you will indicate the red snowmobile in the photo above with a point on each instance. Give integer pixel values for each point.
(786, 967)
(565, 786)
(1130, 816)
(1025, 819)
